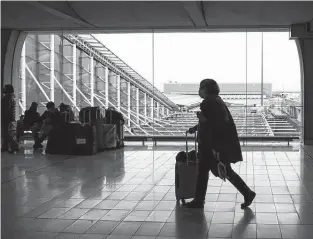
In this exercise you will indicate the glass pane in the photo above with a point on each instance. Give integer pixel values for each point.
(282, 70)
(133, 55)
(153, 79)
(183, 60)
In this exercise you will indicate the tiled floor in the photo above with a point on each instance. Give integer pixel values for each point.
(129, 193)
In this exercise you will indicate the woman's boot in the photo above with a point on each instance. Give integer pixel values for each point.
(242, 187)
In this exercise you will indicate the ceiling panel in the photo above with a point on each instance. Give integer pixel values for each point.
(90, 15)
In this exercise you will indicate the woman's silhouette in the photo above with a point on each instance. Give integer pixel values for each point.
(217, 133)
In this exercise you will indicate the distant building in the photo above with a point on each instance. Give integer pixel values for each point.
(226, 88)
(186, 94)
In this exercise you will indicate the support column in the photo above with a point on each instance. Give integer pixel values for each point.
(118, 82)
(145, 107)
(52, 67)
(305, 47)
(92, 81)
(304, 41)
(128, 102)
(152, 108)
(137, 105)
(74, 74)
(23, 79)
(12, 42)
(262, 72)
(37, 72)
(61, 69)
(106, 78)
(163, 110)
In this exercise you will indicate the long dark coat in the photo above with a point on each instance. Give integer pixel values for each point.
(219, 131)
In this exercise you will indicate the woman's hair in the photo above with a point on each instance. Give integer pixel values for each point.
(210, 86)
(8, 89)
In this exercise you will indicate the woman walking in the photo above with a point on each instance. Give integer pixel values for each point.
(217, 134)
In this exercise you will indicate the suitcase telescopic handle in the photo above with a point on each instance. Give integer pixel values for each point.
(187, 155)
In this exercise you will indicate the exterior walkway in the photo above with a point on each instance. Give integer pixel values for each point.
(130, 194)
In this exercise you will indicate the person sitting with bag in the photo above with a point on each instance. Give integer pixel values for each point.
(31, 121)
(51, 119)
(218, 144)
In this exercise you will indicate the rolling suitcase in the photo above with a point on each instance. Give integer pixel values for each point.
(186, 174)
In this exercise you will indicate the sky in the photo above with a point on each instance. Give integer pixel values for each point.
(226, 57)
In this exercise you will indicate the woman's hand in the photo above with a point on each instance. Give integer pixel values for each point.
(191, 130)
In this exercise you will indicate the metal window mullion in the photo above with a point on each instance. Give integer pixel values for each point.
(74, 75)
(118, 82)
(158, 110)
(137, 104)
(106, 78)
(152, 108)
(262, 71)
(92, 81)
(36, 75)
(145, 107)
(23, 77)
(128, 102)
(52, 67)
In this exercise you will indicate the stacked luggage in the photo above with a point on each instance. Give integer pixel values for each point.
(93, 117)
(73, 138)
(84, 139)
(90, 115)
(67, 113)
(92, 133)
(109, 129)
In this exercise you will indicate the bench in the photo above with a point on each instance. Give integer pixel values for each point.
(182, 138)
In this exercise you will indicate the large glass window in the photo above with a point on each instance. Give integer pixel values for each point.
(153, 78)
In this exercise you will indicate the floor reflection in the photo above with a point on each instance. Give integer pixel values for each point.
(244, 228)
(130, 193)
(191, 223)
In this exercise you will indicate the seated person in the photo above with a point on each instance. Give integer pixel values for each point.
(66, 112)
(51, 119)
(31, 120)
